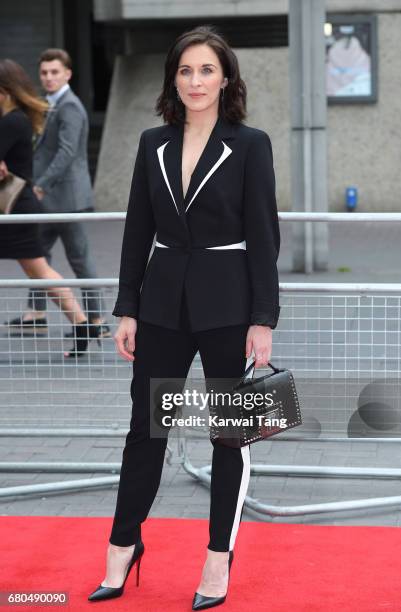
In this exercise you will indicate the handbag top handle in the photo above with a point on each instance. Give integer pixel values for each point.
(252, 365)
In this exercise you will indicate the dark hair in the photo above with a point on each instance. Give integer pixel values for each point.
(15, 82)
(56, 54)
(232, 106)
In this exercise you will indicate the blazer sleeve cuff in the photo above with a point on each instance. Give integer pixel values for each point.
(125, 309)
(268, 319)
(43, 182)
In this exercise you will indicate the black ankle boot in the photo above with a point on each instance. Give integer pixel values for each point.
(103, 331)
(83, 332)
(202, 602)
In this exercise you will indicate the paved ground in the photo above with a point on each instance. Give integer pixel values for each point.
(370, 252)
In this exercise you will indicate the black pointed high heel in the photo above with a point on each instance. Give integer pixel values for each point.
(83, 332)
(202, 602)
(105, 592)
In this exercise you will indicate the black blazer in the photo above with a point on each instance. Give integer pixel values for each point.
(230, 198)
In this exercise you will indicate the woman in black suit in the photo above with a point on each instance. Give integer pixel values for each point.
(204, 184)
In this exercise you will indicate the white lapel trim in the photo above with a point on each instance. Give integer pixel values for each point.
(226, 152)
(160, 152)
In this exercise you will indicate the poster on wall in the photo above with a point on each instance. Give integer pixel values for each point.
(351, 58)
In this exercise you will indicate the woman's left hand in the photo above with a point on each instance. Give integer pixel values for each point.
(259, 339)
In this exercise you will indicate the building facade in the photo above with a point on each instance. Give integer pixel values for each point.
(118, 48)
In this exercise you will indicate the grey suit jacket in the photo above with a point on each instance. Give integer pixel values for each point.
(60, 163)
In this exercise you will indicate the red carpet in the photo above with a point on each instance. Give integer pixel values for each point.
(277, 567)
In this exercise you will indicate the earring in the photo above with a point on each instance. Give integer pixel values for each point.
(178, 95)
(222, 94)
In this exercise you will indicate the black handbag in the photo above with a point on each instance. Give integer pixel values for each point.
(258, 408)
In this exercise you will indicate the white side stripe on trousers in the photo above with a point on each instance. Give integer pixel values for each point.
(246, 474)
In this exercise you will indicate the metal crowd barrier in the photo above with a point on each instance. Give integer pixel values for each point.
(341, 337)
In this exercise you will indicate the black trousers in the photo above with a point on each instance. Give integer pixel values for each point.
(165, 353)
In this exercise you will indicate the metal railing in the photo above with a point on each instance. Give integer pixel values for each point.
(337, 338)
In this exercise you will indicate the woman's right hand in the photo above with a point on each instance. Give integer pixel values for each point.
(125, 338)
(3, 170)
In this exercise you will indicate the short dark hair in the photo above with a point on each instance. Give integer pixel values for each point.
(56, 54)
(233, 106)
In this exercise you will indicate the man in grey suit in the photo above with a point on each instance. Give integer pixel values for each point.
(62, 184)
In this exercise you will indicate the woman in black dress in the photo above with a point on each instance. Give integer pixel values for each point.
(22, 115)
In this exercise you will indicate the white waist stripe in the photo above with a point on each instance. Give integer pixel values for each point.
(234, 245)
